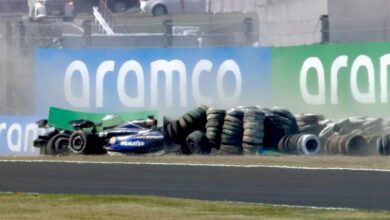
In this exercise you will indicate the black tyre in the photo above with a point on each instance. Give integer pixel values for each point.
(252, 140)
(197, 143)
(254, 133)
(230, 149)
(236, 129)
(82, 143)
(212, 123)
(233, 119)
(61, 145)
(56, 143)
(214, 129)
(253, 125)
(218, 117)
(237, 113)
(231, 133)
(159, 10)
(216, 111)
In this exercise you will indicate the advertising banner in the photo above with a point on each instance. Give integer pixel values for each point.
(169, 80)
(17, 134)
(339, 80)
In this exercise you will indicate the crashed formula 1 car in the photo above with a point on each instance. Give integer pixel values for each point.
(113, 134)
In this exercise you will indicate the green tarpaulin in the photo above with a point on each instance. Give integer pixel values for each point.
(60, 118)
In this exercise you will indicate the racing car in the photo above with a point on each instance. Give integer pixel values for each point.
(113, 134)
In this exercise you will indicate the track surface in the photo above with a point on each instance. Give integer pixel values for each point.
(323, 188)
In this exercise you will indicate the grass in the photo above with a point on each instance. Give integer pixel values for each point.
(371, 162)
(48, 206)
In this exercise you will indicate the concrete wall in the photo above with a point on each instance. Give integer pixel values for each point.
(363, 20)
(224, 6)
(290, 22)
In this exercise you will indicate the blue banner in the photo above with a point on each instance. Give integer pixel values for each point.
(170, 80)
(17, 134)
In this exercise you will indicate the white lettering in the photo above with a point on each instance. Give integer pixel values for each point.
(340, 62)
(201, 66)
(83, 100)
(139, 99)
(385, 62)
(229, 66)
(369, 97)
(316, 99)
(104, 68)
(31, 132)
(14, 131)
(168, 68)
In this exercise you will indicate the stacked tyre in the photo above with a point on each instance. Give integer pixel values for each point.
(386, 126)
(302, 144)
(309, 123)
(288, 120)
(273, 131)
(347, 145)
(372, 141)
(232, 132)
(253, 136)
(178, 130)
(373, 126)
(214, 126)
(383, 145)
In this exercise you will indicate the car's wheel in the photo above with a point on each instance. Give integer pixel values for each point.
(159, 10)
(61, 145)
(197, 143)
(56, 144)
(79, 141)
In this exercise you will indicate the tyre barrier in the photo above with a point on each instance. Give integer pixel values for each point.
(232, 132)
(253, 136)
(273, 131)
(178, 130)
(310, 123)
(292, 124)
(301, 144)
(354, 145)
(214, 125)
(383, 145)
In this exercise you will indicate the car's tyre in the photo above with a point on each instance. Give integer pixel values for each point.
(61, 145)
(81, 142)
(159, 10)
(197, 143)
(51, 145)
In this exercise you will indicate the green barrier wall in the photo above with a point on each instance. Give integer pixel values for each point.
(60, 118)
(337, 80)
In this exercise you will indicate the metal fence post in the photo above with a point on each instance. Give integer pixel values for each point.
(168, 32)
(248, 25)
(324, 29)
